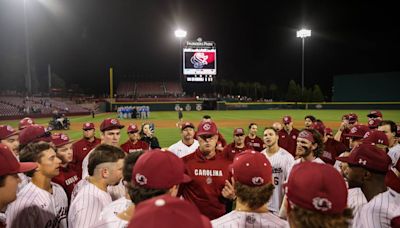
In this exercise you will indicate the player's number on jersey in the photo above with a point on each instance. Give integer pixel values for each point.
(276, 180)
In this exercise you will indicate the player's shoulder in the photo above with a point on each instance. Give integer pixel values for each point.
(284, 153)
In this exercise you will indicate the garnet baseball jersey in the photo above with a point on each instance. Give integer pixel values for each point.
(67, 178)
(332, 149)
(281, 162)
(35, 207)
(86, 207)
(181, 150)
(288, 141)
(80, 149)
(230, 151)
(356, 199)
(345, 139)
(239, 219)
(257, 143)
(130, 147)
(379, 211)
(208, 180)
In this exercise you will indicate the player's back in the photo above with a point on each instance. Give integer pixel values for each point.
(239, 219)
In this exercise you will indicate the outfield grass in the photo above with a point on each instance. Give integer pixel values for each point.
(168, 134)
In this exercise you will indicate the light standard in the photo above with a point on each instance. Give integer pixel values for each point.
(179, 33)
(28, 76)
(303, 34)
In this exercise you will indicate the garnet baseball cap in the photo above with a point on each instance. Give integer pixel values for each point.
(374, 123)
(369, 157)
(7, 131)
(132, 128)
(395, 222)
(328, 131)
(159, 169)
(88, 126)
(375, 137)
(374, 114)
(251, 168)
(305, 134)
(238, 131)
(357, 131)
(25, 122)
(318, 126)
(353, 118)
(186, 125)
(168, 212)
(110, 124)
(317, 187)
(207, 128)
(287, 119)
(34, 133)
(60, 139)
(10, 164)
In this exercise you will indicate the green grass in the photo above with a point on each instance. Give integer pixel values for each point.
(169, 135)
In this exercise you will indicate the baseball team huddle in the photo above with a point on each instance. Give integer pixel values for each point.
(313, 177)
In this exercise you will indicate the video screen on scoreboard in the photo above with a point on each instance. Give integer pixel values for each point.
(199, 61)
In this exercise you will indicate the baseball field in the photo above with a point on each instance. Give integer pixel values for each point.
(167, 132)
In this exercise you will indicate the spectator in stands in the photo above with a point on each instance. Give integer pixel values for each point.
(147, 135)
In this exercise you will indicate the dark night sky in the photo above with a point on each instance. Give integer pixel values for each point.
(256, 40)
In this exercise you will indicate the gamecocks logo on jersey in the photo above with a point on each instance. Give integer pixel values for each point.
(206, 127)
(322, 204)
(140, 179)
(257, 180)
(250, 219)
(209, 180)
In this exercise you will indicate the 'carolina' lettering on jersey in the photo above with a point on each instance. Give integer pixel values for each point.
(208, 172)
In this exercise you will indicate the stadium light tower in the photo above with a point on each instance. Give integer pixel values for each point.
(28, 76)
(180, 34)
(303, 33)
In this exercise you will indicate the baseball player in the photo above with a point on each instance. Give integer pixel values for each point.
(309, 146)
(134, 144)
(23, 123)
(281, 161)
(9, 137)
(33, 133)
(288, 135)
(67, 177)
(252, 175)
(375, 117)
(41, 203)
(168, 212)
(9, 179)
(208, 169)
(188, 144)
(377, 138)
(105, 168)
(348, 121)
(356, 134)
(317, 197)
(308, 121)
(252, 140)
(365, 174)
(390, 129)
(238, 145)
(83, 146)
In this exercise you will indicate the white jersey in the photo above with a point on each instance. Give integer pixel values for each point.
(394, 153)
(280, 161)
(85, 164)
(24, 181)
(239, 219)
(86, 207)
(116, 191)
(35, 207)
(356, 199)
(181, 150)
(379, 211)
(115, 207)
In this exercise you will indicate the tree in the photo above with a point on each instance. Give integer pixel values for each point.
(293, 93)
(273, 89)
(263, 90)
(256, 86)
(317, 94)
(241, 86)
(230, 85)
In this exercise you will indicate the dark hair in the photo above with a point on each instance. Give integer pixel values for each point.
(271, 128)
(254, 197)
(206, 117)
(251, 124)
(319, 121)
(393, 126)
(102, 154)
(129, 163)
(32, 152)
(139, 194)
(312, 118)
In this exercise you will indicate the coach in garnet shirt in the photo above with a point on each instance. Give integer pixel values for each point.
(288, 136)
(209, 171)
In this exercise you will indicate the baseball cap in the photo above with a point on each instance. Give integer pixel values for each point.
(238, 131)
(304, 134)
(251, 168)
(375, 137)
(88, 126)
(132, 128)
(25, 122)
(60, 139)
(318, 126)
(395, 222)
(374, 114)
(187, 124)
(328, 131)
(159, 169)
(369, 157)
(7, 131)
(10, 164)
(169, 212)
(353, 118)
(374, 123)
(357, 131)
(34, 133)
(207, 128)
(328, 194)
(287, 119)
(110, 124)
